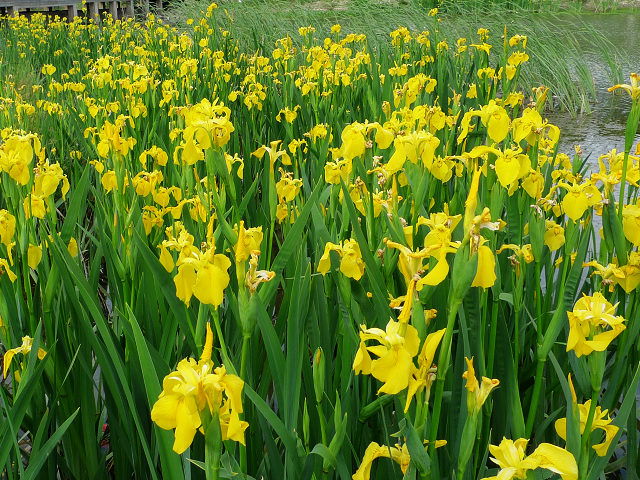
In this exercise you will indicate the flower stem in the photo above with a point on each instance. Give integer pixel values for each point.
(443, 366)
(587, 426)
(243, 376)
(535, 397)
(213, 449)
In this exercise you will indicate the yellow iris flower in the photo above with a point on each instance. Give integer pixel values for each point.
(511, 165)
(633, 90)
(554, 235)
(486, 271)
(5, 269)
(423, 376)
(25, 348)
(510, 457)
(477, 394)
(191, 388)
(631, 223)
(578, 198)
(249, 240)
(398, 344)
(351, 263)
(7, 227)
(398, 453)
(204, 274)
(601, 420)
(588, 322)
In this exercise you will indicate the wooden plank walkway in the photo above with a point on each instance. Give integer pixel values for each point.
(115, 7)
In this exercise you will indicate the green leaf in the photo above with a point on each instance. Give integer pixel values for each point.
(291, 242)
(286, 436)
(37, 460)
(167, 287)
(419, 456)
(598, 465)
(171, 464)
(104, 346)
(327, 457)
(372, 269)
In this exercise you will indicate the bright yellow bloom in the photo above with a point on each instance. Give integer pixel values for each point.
(510, 457)
(4, 269)
(334, 171)
(156, 153)
(25, 348)
(144, 182)
(274, 154)
(497, 121)
(249, 240)
(423, 376)
(477, 394)
(588, 322)
(398, 453)
(578, 198)
(627, 276)
(288, 114)
(34, 206)
(351, 263)
(7, 227)
(601, 421)
(486, 271)
(47, 177)
(511, 165)
(16, 156)
(254, 276)
(531, 127)
(191, 388)
(208, 124)
(395, 354)
(633, 90)
(48, 69)
(204, 275)
(553, 235)
(287, 187)
(34, 256)
(353, 141)
(631, 223)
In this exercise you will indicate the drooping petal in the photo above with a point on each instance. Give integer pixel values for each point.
(184, 281)
(556, 459)
(362, 361)
(372, 452)
(187, 424)
(163, 412)
(486, 273)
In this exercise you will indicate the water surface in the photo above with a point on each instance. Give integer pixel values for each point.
(604, 128)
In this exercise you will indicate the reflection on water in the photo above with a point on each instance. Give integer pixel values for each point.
(604, 128)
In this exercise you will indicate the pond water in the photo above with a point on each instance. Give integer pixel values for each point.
(604, 128)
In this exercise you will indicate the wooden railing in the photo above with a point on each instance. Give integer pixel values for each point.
(115, 7)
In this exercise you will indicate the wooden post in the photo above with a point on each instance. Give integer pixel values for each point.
(130, 10)
(92, 10)
(113, 9)
(72, 12)
(12, 11)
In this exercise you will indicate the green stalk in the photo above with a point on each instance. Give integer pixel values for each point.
(492, 337)
(443, 366)
(584, 444)
(243, 376)
(323, 422)
(630, 133)
(538, 293)
(213, 448)
(223, 346)
(535, 397)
